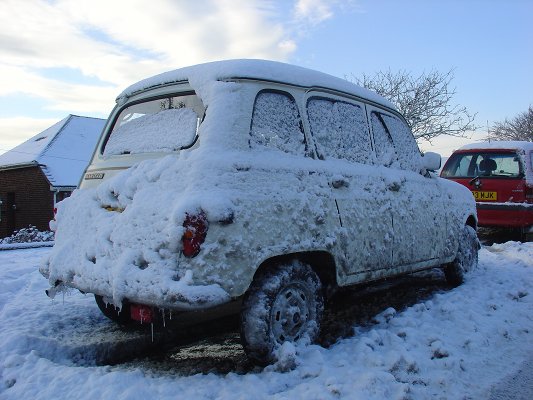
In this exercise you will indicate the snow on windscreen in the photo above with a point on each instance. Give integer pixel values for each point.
(165, 131)
(276, 124)
(340, 130)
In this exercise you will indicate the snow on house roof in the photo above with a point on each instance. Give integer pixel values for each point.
(62, 151)
(514, 145)
(252, 69)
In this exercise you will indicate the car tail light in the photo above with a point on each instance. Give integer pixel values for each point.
(529, 194)
(141, 313)
(196, 226)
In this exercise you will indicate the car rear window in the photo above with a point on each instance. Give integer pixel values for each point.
(158, 125)
(482, 164)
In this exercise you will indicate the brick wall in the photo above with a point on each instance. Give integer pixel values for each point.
(29, 190)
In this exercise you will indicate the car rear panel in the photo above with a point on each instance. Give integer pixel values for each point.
(502, 199)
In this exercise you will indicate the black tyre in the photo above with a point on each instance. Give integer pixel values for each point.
(119, 315)
(466, 259)
(285, 303)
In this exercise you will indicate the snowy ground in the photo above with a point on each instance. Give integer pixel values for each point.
(472, 342)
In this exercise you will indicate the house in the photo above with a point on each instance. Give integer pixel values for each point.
(42, 171)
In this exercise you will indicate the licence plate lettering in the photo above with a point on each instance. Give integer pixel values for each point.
(94, 175)
(485, 196)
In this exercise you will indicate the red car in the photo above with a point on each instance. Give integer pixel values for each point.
(500, 176)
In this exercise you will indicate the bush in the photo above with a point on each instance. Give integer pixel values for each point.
(28, 235)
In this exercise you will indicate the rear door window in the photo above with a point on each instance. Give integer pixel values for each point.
(276, 123)
(340, 129)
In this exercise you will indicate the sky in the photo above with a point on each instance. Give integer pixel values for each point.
(60, 57)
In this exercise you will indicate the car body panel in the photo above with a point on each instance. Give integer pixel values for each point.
(120, 235)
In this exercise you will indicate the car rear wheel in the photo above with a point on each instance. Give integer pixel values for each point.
(466, 258)
(283, 304)
(119, 315)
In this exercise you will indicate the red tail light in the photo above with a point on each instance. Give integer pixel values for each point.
(141, 313)
(529, 194)
(196, 226)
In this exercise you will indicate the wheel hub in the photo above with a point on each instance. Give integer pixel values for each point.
(290, 312)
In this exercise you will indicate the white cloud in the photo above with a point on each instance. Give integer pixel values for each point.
(36, 33)
(119, 42)
(313, 11)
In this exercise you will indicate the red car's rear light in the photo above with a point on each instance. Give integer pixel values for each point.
(529, 194)
(196, 226)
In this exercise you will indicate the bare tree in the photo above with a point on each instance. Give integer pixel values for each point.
(518, 128)
(425, 101)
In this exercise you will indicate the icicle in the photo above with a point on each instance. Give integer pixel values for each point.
(152, 327)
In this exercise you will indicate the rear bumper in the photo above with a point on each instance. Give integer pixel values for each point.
(190, 298)
(505, 215)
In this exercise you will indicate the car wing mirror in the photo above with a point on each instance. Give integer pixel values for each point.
(431, 161)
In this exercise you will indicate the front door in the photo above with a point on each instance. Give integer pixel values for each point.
(11, 209)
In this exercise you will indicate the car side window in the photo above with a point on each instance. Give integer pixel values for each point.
(276, 123)
(404, 142)
(340, 129)
(384, 146)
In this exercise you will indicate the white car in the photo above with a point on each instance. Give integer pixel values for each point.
(253, 186)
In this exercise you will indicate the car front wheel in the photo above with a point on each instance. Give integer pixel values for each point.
(283, 304)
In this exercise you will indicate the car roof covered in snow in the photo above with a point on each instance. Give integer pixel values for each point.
(62, 150)
(253, 69)
(494, 145)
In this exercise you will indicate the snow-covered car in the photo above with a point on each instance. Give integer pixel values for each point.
(255, 187)
(500, 176)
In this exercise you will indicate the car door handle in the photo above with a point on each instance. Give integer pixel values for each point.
(338, 183)
(395, 186)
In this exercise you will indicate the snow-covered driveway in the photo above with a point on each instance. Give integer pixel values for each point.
(456, 345)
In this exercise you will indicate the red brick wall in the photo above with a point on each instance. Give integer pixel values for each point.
(32, 197)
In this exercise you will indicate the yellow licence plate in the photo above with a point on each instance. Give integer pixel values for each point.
(485, 196)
